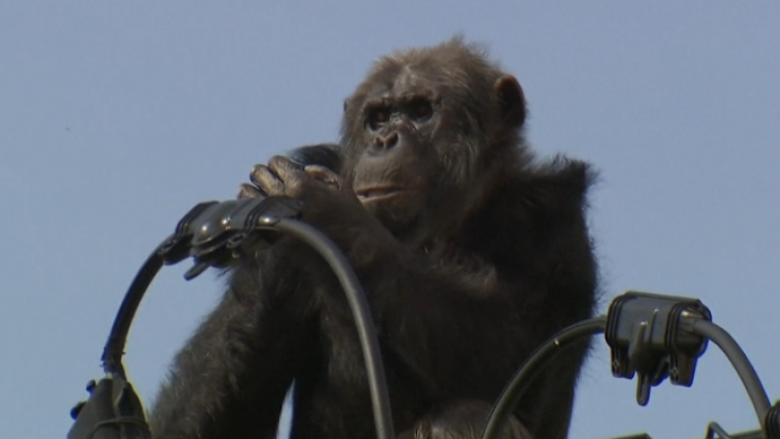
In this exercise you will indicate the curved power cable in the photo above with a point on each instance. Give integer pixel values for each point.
(741, 365)
(357, 302)
(511, 394)
(115, 346)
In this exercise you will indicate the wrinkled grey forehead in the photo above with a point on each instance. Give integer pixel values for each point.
(405, 79)
(409, 77)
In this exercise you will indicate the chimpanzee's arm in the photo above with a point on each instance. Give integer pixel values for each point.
(231, 378)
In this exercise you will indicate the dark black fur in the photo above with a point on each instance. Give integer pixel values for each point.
(323, 154)
(484, 255)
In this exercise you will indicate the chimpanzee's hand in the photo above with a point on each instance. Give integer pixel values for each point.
(329, 203)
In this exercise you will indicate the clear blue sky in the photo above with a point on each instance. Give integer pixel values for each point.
(117, 117)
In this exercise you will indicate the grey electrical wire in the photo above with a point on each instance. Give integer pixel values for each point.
(360, 310)
(511, 394)
(741, 365)
(115, 346)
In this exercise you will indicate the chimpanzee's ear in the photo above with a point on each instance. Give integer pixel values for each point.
(511, 101)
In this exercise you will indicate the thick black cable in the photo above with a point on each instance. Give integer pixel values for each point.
(362, 314)
(741, 365)
(511, 394)
(115, 346)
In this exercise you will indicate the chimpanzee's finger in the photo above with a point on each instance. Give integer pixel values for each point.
(248, 190)
(267, 180)
(287, 170)
(323, 174)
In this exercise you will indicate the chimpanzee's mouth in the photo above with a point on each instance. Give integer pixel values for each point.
(379, 193)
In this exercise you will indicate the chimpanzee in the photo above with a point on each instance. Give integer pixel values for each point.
(471, 252)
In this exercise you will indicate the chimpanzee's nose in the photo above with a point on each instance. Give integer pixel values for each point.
(387, 142)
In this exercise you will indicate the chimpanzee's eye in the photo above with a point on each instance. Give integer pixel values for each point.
(420, 110)
(378, 117)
